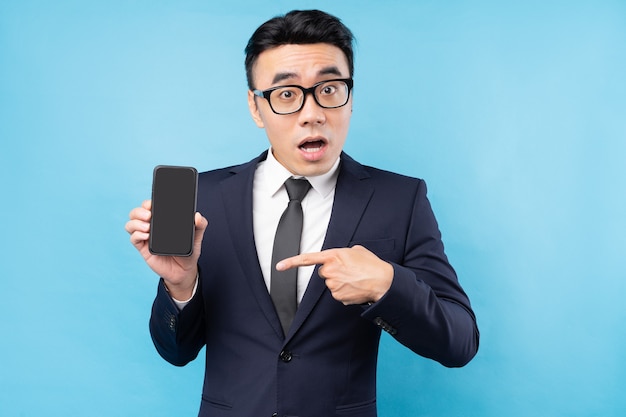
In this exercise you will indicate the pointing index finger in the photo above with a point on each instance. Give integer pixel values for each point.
(304, 259)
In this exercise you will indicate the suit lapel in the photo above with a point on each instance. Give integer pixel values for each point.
(352, 194)
(237, 196)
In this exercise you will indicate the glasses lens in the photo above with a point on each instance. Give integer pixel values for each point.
(329, 94)
(332, 94)
(286, 99)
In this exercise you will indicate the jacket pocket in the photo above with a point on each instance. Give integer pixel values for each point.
(360, 409)
(378, 246)
(216, 403)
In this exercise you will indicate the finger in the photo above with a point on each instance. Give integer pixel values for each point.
(147, 204)
(139, 238)
(304, 259)
(201, 225)
(200, 221)
(135, 225)
(140, 213)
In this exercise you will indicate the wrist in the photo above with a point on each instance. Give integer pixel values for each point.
(184, 290)
(384, 283)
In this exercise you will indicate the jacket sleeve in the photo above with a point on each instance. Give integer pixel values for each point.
(426, 309)
(178, 335)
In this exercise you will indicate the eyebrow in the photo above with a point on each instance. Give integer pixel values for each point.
(281, 76)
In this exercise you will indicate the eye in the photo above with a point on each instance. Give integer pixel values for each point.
(286, 94)
(328, 89)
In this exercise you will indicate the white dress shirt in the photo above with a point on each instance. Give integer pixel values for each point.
(270, 199)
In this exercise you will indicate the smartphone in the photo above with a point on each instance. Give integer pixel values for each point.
(172, 226)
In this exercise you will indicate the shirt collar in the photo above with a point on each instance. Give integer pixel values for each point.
(276, 175)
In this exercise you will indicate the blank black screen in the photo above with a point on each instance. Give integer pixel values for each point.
(173, 208)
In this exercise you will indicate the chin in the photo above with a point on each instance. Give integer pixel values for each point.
(316, 169)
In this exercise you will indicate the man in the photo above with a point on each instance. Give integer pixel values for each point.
(371, 254)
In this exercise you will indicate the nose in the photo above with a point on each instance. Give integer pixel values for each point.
(311, 112)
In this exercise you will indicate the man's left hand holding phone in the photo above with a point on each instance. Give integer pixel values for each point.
(168, 231)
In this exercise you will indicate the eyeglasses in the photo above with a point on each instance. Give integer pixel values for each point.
(288, 99)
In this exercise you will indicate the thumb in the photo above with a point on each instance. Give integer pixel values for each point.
(201, 224)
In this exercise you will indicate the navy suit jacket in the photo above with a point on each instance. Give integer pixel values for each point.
(326, 365)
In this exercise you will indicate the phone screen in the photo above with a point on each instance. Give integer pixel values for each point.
(172, 224)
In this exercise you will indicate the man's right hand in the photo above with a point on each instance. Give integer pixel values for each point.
(179, 273)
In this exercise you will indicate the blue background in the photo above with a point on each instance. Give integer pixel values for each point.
(513, 112)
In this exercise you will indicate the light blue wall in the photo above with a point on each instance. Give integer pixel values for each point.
(515, 114)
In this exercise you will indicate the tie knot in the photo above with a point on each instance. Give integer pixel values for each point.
(297, 188)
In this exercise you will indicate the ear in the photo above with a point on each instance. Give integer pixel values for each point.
(254, 110)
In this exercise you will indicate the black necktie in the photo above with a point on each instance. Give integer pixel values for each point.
(287, 244)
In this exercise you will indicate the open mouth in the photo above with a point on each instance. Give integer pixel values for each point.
(313, 145)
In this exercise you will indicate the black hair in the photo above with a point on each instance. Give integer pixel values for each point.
(299, 27)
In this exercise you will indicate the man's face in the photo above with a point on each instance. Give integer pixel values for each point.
(307, 142)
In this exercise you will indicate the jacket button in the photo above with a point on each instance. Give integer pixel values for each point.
(385, 326)
(275, 415)
(172, 323)
(285, 356)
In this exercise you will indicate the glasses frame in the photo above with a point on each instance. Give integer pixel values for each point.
(311, 90)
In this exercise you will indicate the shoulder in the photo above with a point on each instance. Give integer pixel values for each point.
(377, 176)
(220, 174)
